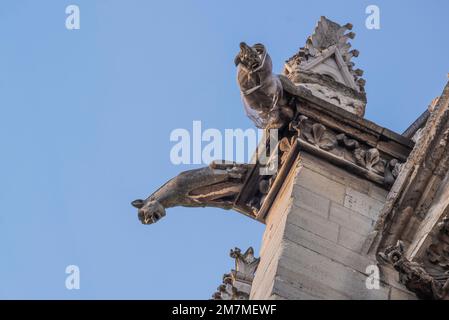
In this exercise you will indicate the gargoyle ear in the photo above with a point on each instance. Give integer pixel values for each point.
(237, 60)
(138, 203)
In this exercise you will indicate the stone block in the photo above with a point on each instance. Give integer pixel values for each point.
(320, 185)
(306, 199)
(338, 277)
(314, 223)
(349, 219)
(290, 283)
(377, 193)
(335, 173)
(351, 240)
(397, 294)
(327, 248)
(362, 204)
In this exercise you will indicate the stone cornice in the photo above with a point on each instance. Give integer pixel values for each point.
(316, 78)
(354, 126)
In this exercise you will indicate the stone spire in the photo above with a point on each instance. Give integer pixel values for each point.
(324, 66)
(237, 284)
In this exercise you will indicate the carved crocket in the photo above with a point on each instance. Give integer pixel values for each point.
(216, 185)
(262, 90)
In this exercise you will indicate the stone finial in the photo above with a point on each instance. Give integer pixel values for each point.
(237, 284)
(329, 38)
(245, 265)
(324, 66)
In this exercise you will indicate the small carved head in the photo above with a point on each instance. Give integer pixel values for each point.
(248, 56)
(150, 211)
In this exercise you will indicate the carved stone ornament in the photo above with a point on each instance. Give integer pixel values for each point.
(367, 158)
(261, 90)
(329, 38)
(324, 66)
(237, 284)
(413, 206)
(414, 276)
(319, 136)
(276, 101)
(350, 150)
(216, 186)
(437, 254)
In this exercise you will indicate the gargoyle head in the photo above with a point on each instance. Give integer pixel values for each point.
(150, 211)
(250, 57)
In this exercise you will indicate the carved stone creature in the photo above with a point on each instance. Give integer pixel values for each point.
(216, 185)
(414, 276)
(262, 91)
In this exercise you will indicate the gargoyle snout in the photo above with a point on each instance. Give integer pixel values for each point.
(149, 211)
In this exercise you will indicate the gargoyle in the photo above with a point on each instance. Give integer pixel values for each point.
(262, 91)
(265, 97)
(216, 185)
(414, 276)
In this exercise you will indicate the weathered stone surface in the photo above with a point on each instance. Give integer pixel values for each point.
(320, 184)
(327, 248)
(308, 288)
(341, 149)
(362, 203)
(351, 240)
(351, 220)
(216, 185)
(419, 178)
(412, 232)
(376, 192)
(335, 171)
(391, 276)
(397, 294)
(271, 249)
(318, 255)
(326, 60)
(326, 86)
(261, 90)
(289, 292)
(311, 201)
(414, 276)
(338, 277)
(263, 286)
(314, 223)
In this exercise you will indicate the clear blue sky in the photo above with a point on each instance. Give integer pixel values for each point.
(86, 117)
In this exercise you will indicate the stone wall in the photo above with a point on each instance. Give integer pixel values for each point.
(316, 229)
